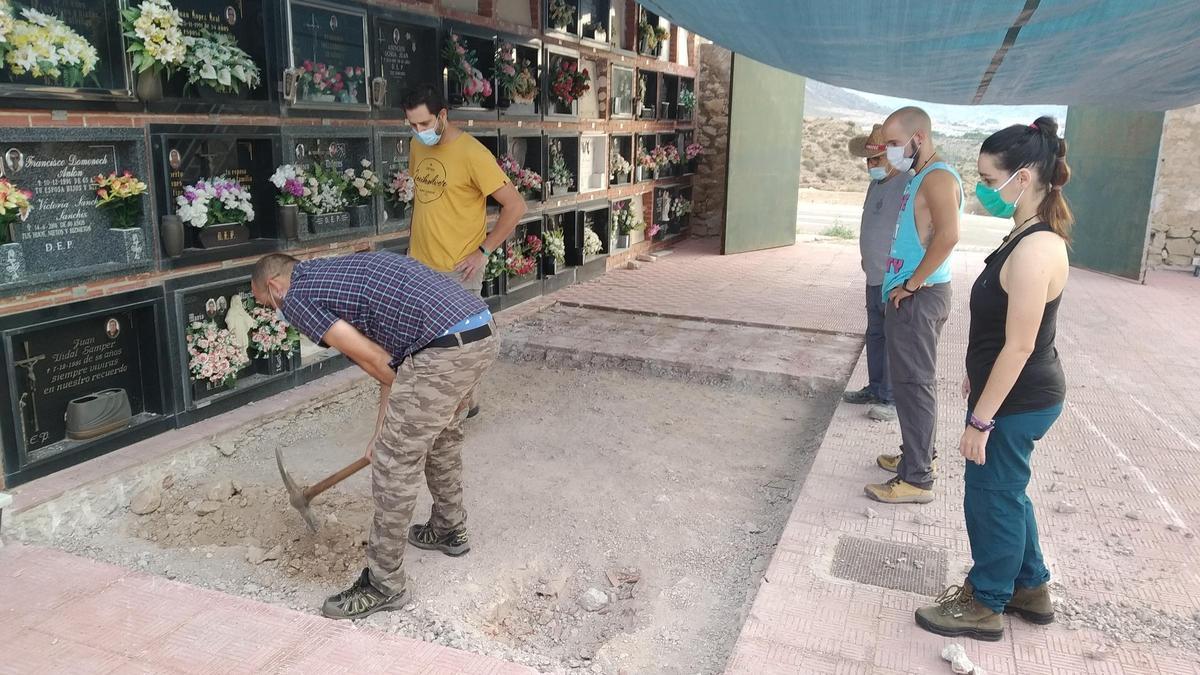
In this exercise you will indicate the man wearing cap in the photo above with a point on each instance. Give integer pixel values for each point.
(880, 210)
(427, 341)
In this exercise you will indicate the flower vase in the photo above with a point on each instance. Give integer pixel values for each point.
(171, 229)
(274, 364)
(205, 388)
(149, 86)
(623, 241)
(491, 288)
(12, 263)
(360, 215)
(289, 219)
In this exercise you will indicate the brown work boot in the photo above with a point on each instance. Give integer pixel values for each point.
(896, 491)
(958, 614)
(1032, 604)
(888, 462)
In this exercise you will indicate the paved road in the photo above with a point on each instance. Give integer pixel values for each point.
(978, 232)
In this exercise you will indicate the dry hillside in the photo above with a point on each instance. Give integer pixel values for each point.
(827, 165)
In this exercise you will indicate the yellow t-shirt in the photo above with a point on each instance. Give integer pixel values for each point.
(453, 182)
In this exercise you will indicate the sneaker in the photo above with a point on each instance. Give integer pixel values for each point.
(882, 412)
(361, 600)
(863, 396)
(453, 543)
(896, 491)
(888, 462)
(1032, 604)
(958, 614)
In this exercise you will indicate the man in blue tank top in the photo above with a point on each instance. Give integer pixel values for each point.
(916, 289)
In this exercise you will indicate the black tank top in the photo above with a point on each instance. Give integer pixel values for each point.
(1041, 383)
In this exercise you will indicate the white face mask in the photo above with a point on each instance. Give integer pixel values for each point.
(895, 155)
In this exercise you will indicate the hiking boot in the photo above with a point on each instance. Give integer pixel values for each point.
(1032, 604)
(361, 600)
(896, 491)
(958, 614)
(863, 396)
(453, 543)
(882, 412)
(888, 462)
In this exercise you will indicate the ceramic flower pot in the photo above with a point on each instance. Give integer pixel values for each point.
(289, 221)
(171, 228)
(623, 241)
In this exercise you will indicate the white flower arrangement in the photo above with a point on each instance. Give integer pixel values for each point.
(361, 185)
(154, 30)
(219, 201)
(42, 46)
(591, 242)
(215, 60)
(324, 191)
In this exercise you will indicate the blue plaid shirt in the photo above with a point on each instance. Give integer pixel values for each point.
(395, 301)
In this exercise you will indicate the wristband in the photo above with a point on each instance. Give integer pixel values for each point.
(980, 425)
(484, 251)
(905, 286)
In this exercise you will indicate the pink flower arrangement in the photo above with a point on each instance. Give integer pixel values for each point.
(460, 63)
(271, 334)
(527, 181)
(693, 150)
(652, 229)
(518, 260)
(212, 354)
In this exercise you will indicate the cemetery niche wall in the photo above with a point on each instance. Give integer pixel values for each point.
(81, 379)
(142, 255)
(67, 233)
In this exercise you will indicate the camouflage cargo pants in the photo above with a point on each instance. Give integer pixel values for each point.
(422, 435)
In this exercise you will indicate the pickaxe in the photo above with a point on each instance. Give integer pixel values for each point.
(301, 498)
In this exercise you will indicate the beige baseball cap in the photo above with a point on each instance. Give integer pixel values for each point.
(871, 145)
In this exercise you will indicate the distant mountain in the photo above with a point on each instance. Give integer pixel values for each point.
(864, 109)
(826, 100)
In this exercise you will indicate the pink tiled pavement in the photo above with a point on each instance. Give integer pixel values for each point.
(63, 614)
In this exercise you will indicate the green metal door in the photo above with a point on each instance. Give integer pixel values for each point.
(766, 120)
(1113, 156)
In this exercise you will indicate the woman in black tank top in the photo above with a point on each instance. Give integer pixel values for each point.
(1015, 385)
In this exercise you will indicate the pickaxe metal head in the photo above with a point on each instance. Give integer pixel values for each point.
(296, 496)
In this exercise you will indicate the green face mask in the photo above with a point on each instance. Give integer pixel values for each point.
(992, 201)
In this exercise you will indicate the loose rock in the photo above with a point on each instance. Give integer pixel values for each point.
(633, 265)
(226, 448)
(593, 600)
(220, 491)
(206, 507)
(147, 500)
(1066, 507)
(870, 513)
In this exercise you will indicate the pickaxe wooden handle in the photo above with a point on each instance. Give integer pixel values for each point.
(355, 467)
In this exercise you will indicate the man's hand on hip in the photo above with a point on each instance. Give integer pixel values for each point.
(471, 265)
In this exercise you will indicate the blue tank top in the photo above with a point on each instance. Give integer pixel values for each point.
(907, 249)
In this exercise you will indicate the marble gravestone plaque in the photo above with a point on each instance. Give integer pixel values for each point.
(337, 150)
(184, 155)
(332, 44)
(243, 20)
(55, 365)
(406, 55)
(66, 236)
(98, 22)
(593, 158)
(211, 304)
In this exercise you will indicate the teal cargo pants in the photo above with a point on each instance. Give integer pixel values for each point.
(1000, 520)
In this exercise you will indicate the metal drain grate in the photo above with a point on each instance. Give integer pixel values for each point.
(901, 567)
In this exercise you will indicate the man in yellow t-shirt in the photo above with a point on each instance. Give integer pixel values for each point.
(454, 175)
